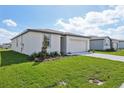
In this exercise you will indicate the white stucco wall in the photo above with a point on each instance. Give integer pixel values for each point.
(76, 44)
(33, 43)
(121, 44)
(55, 43)
(16, 47)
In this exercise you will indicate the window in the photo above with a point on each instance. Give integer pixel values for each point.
(48, 36)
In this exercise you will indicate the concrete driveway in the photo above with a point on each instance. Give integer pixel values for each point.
(105, 56)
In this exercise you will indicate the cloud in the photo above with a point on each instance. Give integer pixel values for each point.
(99, 19)
(6, 35)
(10, 22)
(91, 23)
(116, 32)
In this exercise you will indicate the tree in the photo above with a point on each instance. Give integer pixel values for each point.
(45, 44)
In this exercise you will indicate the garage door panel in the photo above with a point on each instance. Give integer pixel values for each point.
(77, 45)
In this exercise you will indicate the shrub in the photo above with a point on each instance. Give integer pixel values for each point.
(43, 55)
(62, 54)
(91, 50)
(54, 54)
(51, 54)
(112, 49)
(33, 56)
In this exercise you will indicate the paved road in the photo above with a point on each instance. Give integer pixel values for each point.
(107, 56)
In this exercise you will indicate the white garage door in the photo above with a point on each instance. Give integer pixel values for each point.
(77, 45)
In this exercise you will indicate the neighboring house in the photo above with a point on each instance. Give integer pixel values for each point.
(103, 43)
(121, 44)
(0, 46)
(6, 45)
(115, 44)
(30, 41)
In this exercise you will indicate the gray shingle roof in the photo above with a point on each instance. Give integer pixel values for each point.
(50, 31)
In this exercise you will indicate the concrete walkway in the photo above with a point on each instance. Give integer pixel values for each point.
(122, 86)
(107, 56)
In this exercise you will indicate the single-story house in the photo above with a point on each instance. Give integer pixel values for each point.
(0, 46)
(115, 44)
(103, 43)
(6, 45)
(121, 44)
(30, 41)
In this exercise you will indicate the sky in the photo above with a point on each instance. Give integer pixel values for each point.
(88, 20)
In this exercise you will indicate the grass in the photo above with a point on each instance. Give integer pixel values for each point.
(9, 57)
(17, 71)
(119, 52)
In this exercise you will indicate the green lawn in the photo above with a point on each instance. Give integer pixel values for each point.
(119, 52)
(17, 71)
